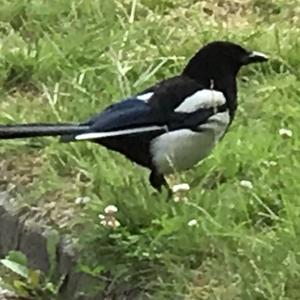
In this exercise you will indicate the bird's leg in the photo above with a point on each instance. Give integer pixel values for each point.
(157, 180)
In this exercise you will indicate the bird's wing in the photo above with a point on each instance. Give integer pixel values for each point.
(168, 106)
(184, 103)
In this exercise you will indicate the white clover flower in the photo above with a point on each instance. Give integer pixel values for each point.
(113, 223)
(110, 222)
(110, 209)
(192, 223)
(246, 184)
(103, 222)
(101, 217)
(285, 133)
(82, 200)
(182, 187)
(178, 199)
(117, 223)
(273, 163)
(270, 163)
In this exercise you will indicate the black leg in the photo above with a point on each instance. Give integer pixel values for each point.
(157, 181)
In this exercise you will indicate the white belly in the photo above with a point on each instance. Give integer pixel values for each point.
(181, 149)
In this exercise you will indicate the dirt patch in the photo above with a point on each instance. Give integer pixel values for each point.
(27, 164)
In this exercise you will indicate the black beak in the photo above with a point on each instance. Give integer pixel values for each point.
(255, 57)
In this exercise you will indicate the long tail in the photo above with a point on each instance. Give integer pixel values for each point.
(40, 129)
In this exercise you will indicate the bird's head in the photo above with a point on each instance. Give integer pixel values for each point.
(220, 58)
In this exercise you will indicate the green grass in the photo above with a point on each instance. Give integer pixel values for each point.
(65, 60)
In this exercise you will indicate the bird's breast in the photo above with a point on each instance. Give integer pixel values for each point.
(181, 149)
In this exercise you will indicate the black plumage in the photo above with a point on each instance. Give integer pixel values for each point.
(169, 126)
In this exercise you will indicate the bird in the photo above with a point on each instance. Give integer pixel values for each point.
(170, 126)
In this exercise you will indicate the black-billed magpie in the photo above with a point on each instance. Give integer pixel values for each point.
(170, 126)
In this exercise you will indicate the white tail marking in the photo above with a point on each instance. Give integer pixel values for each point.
(100, 135)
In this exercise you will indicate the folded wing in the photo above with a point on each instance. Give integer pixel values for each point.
(172, 105)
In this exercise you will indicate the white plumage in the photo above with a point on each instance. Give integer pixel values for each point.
(145, 97)
(201, 99)
(181, 149)
(101, 135)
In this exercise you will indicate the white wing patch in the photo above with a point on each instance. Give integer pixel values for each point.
(145, 97)
(100, 135)
(201, 99)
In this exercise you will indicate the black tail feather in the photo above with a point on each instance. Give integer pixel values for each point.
(40, 129)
